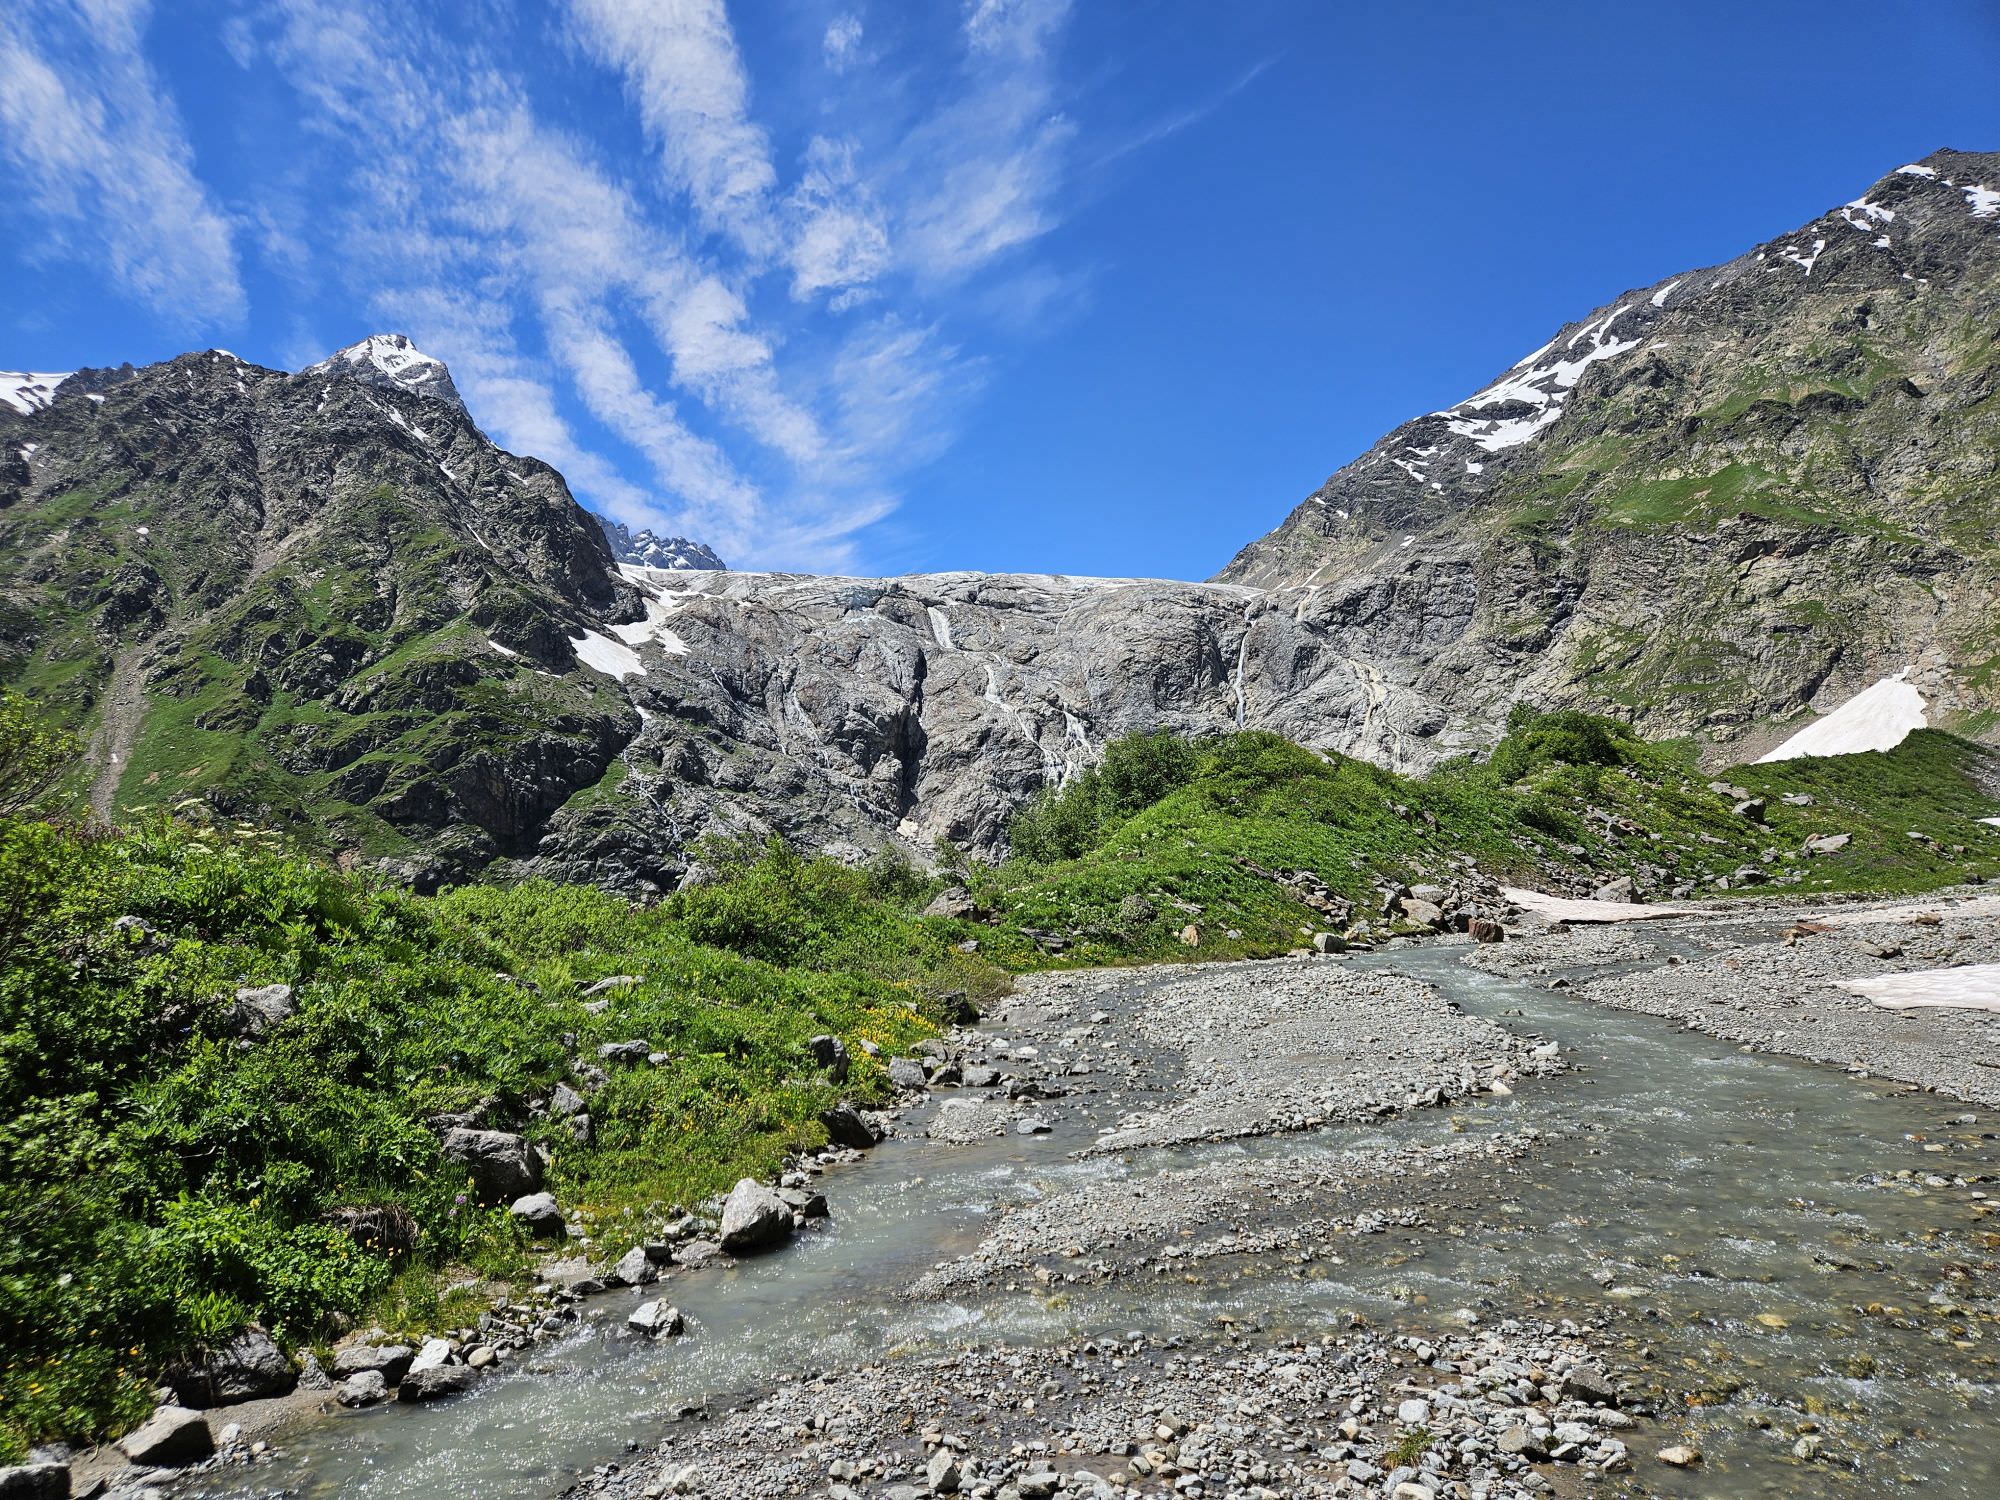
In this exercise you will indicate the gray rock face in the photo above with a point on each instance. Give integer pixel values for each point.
(504, 1166)
(754, 1218)
(171, 1436)
(248, 1367)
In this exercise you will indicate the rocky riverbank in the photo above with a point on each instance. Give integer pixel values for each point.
(1769, 977)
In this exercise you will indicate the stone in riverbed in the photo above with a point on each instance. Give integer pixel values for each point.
(634, 1268)
(1521, 1442)
(980, 1076)
(435, 1354)
(848, 1126)
(1588, 1383)
(1413, 1413)
(436, 1383)
(908, 1073)
(363, 1388)
(391, 1361)
(171, 1435)
(1680, 1455)
(941, 1473)
(754, 1218)
(654, 1319)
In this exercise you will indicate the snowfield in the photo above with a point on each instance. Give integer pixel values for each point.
(1876, 718)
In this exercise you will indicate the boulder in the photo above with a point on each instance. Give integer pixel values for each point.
(635, 1051)
(1191, 936)
(980, 1076)
(435, 1354)
(605, 986)
(256, 1010)
(172, 1435)
(565, 1101)
(908, 1073)
(436, 1383)
(1423, 913)
(958, 1008)
(634, 1268)
(1590, 1384)
(36, 1481)
(654, 1319)
(1751, 808)
(1620, 890)
(830, 1053)
(754, 1218)
(363, 1388)
(1329, 942)
(390, 1361)
(941, 1473)
(955, 902)
(1828, 843)
(503, 1165)
(848, 1126)
(807, 1203)
(540, 1215)
(246, 1368)
(1680, 1455)
(1486, 930)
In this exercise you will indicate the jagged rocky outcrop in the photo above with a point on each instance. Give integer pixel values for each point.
(323, 598)
(1715, 501)
(648, 549)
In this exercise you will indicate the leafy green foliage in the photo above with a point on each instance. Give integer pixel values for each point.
(34, 755)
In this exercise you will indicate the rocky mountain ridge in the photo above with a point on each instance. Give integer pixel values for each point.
(1710, 507)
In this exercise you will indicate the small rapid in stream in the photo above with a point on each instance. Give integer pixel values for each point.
(1739, 1212)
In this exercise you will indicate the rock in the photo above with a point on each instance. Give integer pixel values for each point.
(481, 1357)
(605, 986)
(257, 1010)
(1423, 913)
(979, 1076)
(390, 1361)
(1522, 1443)
(436, 1383)
(1434, 894)
(634, 1268)
(1039, 1485)
(1413, 1413)
(1329, 942)
(1828, 843)
(1751, 808)
(383, 1228)
(1486, 930)
(830, 1053)
(955, 902)
(34, 1481)
(565, 1101)
(637, 1050)
(1032, 1125)
(581, 1130)
(1620, 890)
(807, 1203)
(655, 1319)
(1589, 1383)
(1191, 936)
(171, 1436)
(1680, 1455)
(246, 1368)
(363, 1388)
(754, 1218)
(941, 1473)
(958, 1008)
(434, 1354)
(908, 1073)
(540, 1215)
(698, 1253)
(503, 1165)
(848, 1126)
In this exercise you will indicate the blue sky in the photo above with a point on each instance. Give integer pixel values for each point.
(1001, 284)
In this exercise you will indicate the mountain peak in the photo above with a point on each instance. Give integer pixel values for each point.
(647, 550)
(391, 360)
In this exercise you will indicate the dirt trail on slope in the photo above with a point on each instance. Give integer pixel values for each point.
(123, 709)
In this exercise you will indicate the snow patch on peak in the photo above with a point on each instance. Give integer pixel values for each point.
(1876, 718)
(28, 391)
(1531, 395)
(392, 361)
(1916, 170)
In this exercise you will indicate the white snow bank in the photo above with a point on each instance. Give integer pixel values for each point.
(1976, 906)
(1970, 987)
(28, 391)
(1876, 718)
(608, 656)
(1568, 909)
(1994, 821)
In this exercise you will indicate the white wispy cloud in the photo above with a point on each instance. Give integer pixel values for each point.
(842, 42)
(103, 158)
(683, 70)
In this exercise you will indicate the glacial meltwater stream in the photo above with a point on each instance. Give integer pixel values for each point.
(1740, 1214)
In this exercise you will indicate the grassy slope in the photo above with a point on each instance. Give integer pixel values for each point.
(179, 1180)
